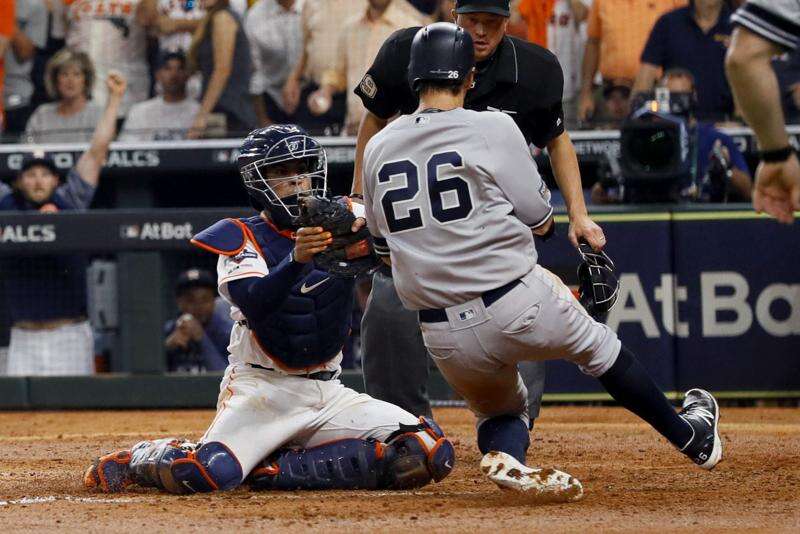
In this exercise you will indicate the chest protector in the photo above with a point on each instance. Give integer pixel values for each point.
(311, 325)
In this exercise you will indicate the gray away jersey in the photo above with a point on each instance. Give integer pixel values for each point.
(454, 194)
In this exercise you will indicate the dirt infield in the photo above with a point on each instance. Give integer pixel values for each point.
(633, 480)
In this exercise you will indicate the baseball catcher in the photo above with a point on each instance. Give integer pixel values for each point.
(283, 417)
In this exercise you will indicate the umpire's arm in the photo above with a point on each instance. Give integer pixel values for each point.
(564, 162)
(370, 125)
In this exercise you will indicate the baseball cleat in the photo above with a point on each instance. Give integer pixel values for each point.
(701, 411)
(109, 473)
(545, 485)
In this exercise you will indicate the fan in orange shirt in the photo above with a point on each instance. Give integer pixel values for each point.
(536, 14)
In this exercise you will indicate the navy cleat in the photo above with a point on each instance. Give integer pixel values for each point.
(109, 473)
(701, 411)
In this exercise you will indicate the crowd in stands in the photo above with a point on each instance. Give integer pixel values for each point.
(211, 68)
(90, 71)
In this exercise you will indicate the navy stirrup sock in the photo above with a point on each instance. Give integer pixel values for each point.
(504, 433)
(630, 385)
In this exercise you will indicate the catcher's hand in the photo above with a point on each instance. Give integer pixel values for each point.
(599, 285)
(348, 253)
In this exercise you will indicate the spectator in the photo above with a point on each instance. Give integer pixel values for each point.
(174, 21)
(319, 49)
(69, 78)
(445, 11)
(694, 38)
(46, 296)
(7, 29)
(31, 35)
(197, 340)
(707, 140)
(359, 42)
(56, 32)
(219, 44)
(616, 98)
(616, 33)
(114, 36)
(168, 116)
(276, 42)
(563, 32)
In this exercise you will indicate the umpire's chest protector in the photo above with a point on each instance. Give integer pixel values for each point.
(311, 325)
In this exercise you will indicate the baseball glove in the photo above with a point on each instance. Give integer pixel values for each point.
(598, 281)
(351, 253)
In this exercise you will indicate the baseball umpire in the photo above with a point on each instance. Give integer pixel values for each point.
(520, 79)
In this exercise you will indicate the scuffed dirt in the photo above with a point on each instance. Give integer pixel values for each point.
(633, 480)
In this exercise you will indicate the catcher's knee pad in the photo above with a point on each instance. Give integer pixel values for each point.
(343, 464)
(418, 454)
(177, 466)
(211, 467)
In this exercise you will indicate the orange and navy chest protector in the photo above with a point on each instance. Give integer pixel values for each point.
(308, 320)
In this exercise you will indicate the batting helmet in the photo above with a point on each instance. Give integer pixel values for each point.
(264, 163)
(440, 52)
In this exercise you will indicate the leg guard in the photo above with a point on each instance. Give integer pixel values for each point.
(177, 466)
(343, 464)
(421, 453)
(411, 457)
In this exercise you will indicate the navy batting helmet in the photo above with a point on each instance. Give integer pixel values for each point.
(278, 164)
(440, 52)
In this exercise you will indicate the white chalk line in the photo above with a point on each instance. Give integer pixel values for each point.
(110, 435)
(69, 498)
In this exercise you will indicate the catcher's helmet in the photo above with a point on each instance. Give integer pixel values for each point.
(270, 147)
(442, 52)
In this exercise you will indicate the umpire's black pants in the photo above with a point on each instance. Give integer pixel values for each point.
(395, 360)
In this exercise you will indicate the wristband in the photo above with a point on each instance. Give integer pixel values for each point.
(359, 196)
(776, 156)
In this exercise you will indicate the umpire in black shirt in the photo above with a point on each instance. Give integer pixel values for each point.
(513, 76)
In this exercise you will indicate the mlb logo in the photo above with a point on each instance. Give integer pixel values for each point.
(466, 315)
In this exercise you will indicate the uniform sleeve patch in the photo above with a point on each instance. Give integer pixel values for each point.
(243, 255)
(368, 86)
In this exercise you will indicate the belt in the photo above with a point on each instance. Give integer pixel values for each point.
(319, 375)
(51, 324)
(488, 298)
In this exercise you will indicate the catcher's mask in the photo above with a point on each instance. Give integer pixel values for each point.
(278, 165)
(599, 285)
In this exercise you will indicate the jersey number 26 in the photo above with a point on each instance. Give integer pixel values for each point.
(453, 190)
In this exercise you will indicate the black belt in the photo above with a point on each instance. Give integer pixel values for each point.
(319, 375)
(488, 298)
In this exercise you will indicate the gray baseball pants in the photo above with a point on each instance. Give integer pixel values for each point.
(478, 348)
(395, 360)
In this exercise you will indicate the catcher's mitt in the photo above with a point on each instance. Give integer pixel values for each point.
(350, 254)
(599, 285)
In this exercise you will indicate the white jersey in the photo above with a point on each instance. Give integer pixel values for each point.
(178, 10)
(109, 32)
(567, 39)
(243, 347)
(454, 194)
